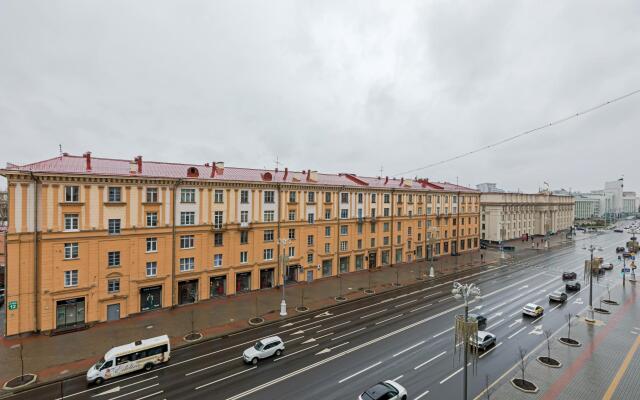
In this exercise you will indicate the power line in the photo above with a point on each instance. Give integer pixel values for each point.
(519, 135)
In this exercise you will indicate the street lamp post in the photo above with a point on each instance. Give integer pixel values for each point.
(430, 232)
(285, 260)
(590, 249)
(465, 292)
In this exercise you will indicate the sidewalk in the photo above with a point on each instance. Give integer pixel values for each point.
(605, 366)
(55, 357)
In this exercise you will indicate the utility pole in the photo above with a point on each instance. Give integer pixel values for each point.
(285, 261)
(465, 292)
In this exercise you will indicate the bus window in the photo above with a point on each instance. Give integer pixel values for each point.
(122, 360)
(106, 365)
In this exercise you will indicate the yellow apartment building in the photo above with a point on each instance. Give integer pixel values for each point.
(95, 239)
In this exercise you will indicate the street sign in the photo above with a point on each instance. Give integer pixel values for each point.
(13, 305)
(625, 270)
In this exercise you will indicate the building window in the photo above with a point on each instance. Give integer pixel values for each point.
(310, 240)
(292, 197)
(269, 196)
(292, 215)
(344, 230)
(385, 227)
(218, 239)
(359, 229)
(399, 211)
(373, 213)
(217, 260)
(187, 264)
(218, 196)
(71, 194)
(386, 198)
(187, 218)
(360, 198)
(152, 195)
(399, 239)
(152, 219)
(385, 241)
(344, 213)
(343, 245)
(327, 248)
(385, 212)
(311, 197)
(187, 195)
(268, 235)
(311, 218)
(114, 226)
(152, 245)
(310, 258)
(268, 216)
(373, 198)
(244, 197)
(292, 251)
(186, 242)
(244, 257)
(217, 219)
(267, 254)
(327, 231)
(71, 222)
(292, 233)
(399, 224)
(244, 217)
(409, 231)
(114, 195)
(373, 242)
(373, 228)
(113, 285)
(113, 259)
(244, 237)
(71, 278)
(359, 244)
(344, 198)
(70, 251)
(151, 268)
(327, 214)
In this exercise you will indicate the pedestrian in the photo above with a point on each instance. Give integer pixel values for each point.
(482, 258)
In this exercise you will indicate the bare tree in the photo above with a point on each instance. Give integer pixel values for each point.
(522, 353)
(547, 335)
(568, 317)
(487, 389)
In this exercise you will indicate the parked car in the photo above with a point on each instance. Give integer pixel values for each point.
(1, 297)
(483, 340)
(607, 266)
(384, 390)
(569, 275)
(572, 286)
(532, 310)
(620, 249)
(618, 230)
(264, 348)
(558, 295)
(482, 320)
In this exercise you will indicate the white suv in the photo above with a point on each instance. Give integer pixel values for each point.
(263, 348)
(532, 310)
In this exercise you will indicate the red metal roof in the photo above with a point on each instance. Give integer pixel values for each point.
(70, 164)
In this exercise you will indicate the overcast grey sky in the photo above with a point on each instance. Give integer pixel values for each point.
(334, 86)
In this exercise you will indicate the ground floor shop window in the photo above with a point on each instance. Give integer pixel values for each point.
(267, 278)
(70, 313)
(372, 260)
(385, 257)
(188, 292)
(344, 265)
(243, 281)
(398, 255)
(326, 267)
(218, 286)
(150, 298)
(418, 252)
(446, 247)
(292, 273)
(359, 262)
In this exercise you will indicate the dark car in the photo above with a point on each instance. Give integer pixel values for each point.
(569, 275)
(1, 297)
(619, 249)
(573, 285)
(482, 320)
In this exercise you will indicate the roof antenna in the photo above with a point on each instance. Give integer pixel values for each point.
(277, 162)
(60, 149)
(381, 169)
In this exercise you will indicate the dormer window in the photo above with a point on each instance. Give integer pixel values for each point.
(192, 172)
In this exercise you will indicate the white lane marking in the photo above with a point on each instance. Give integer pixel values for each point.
(537, 319)
(293, 323)
(556, 307)
(405, 303)
(516, 322)
(359, 372)
(135, 391)
(490, 350)
(301, 331)
(445, 299)
(514, 313)
(150, 395)
(409, 348)
(432, 294)
(451, 376)
(388, 319)
(496, 307)
(226, 377)
(211, 366)
(348, 333)
(443, 332)
(397, 378)
(516, 332)
(422, 395)
(295, 352)
(421, 307)
(118, 388)
(429, 360)
(372, 314)
(331, 327)
(313, 339)
(328, 349)
(494, 324)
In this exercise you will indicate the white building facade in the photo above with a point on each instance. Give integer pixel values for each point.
(506, 216)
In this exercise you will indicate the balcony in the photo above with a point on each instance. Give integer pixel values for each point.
(244, 225)
(218, 226)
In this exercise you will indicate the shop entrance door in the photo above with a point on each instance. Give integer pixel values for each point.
(113, 312)
(70, 313)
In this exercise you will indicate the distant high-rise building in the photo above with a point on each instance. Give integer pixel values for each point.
(488, 188)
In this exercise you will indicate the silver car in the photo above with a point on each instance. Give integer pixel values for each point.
(264, 348)
(483, 340)
(387, 390)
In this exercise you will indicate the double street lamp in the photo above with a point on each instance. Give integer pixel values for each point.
(465, 292)
(285, 261)
(591, 249)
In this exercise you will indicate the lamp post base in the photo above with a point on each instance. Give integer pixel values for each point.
(283, 308)
(432, 273)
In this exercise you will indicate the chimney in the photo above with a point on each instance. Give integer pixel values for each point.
(132, 167)
(217, 168)
(213, 169)
(386, 179)
(87, 158)
(401, 181)
(286, 172)
(139, 162)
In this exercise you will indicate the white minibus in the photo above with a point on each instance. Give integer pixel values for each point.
(130, 357)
